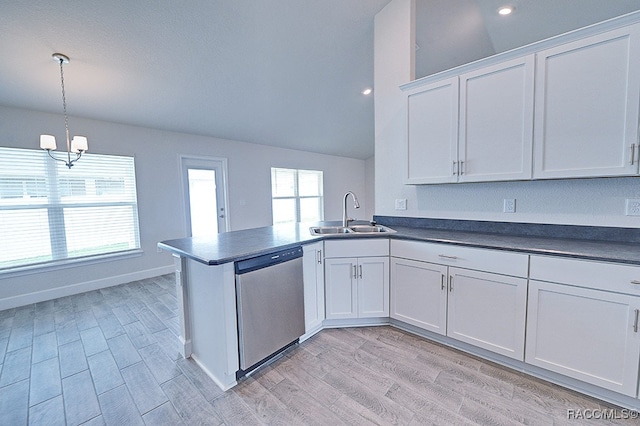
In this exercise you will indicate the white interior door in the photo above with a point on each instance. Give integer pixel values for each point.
(204, 182)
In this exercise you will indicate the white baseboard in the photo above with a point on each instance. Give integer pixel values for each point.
(54, 293)
(225, 383)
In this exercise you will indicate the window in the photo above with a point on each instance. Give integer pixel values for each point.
(296, 195)
(50, 213)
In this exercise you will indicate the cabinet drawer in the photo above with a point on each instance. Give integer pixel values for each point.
(363, 247)
(586, 273)
(499, 262)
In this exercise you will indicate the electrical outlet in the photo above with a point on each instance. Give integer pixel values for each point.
(509, 205)
(633, 207)
(401, 203)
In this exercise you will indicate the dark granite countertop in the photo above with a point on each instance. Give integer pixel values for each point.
(612, 245)
(580, 249)
(239, 245)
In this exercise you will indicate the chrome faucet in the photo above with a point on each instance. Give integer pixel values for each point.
(356, 204)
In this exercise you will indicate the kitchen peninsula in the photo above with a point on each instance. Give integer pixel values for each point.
(529, 262)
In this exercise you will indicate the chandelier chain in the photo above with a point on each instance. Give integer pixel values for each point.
(48, 142)
(64, 101)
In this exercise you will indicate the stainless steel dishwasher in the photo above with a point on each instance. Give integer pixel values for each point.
(270, 302)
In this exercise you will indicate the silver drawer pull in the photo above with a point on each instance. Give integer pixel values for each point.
(635, 323)
(635, 282)
(448, 257)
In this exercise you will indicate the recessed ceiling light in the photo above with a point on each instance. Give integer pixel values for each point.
(505, 10)
(367, 91)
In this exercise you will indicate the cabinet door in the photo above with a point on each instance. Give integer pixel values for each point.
(419, 294)
(585, 334)
(496, 122)
(586, 113)
(341, 288)
(373, 287)
(488, 311)
(432, 137)
(313, 270)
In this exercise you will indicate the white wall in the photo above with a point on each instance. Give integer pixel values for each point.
(578, 201)
(369, 177)
(160, 202)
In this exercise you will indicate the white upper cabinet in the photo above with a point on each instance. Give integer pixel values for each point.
(432, 139)
(473, 128)
(567, 107)
(496, 122)
(586, 114)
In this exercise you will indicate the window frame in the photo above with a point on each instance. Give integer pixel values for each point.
(296, 197)
(58, 185)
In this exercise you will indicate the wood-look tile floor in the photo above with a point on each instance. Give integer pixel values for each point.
(111, 357)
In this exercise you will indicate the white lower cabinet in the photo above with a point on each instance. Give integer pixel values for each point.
(357, 287)
(313, 274)
(487, 310)
(419, 294)
(484, 309)
(585, 333)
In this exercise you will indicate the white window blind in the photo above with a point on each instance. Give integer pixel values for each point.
(296, 195)
(51, 213)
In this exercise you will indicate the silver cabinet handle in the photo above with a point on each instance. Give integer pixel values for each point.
(635, 282)
(442, 282)
(450, 283)
(360, 268)
(355, 272)
(454, 168)
(633, 153)
(319, 257)
(444, 256)
(635, 323)
(461, 167)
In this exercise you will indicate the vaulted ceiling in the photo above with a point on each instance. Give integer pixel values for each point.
(286, 73)
(454, 32)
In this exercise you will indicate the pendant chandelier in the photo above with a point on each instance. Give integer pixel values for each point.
(78, 144)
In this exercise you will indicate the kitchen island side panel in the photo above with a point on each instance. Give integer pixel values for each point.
(213, 320)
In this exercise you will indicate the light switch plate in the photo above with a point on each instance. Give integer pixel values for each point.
(401, 203)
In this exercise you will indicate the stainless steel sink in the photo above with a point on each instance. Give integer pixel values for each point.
(370, 229)
(350, 231)
(329, 230)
